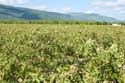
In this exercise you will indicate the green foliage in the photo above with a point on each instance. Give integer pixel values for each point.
(53, 22)
(55, 53)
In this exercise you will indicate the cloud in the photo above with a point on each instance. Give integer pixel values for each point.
(60, 10)
(89, 11)
(11, 2)
(39, 7)
(54, 10)
(66, 9)
(109, 3)
(113, 8)
(119, 10)
(117, 5)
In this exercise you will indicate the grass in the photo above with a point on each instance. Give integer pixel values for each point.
(60, 53)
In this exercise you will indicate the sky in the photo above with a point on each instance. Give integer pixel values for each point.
(112, 8)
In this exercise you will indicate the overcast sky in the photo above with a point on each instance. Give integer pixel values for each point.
(113, 8)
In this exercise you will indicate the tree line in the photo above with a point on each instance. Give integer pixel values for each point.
(56, 22)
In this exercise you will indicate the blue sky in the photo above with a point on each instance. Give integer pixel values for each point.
(112, 8)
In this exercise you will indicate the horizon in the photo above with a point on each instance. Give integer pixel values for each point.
(114, 8)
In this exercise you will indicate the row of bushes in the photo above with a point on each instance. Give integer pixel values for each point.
(52, 22)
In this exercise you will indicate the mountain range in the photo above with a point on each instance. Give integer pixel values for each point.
(20, 13)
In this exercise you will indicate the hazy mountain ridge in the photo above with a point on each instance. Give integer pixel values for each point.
(11, 13)
(92, 17)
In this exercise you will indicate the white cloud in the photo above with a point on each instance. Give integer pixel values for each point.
(116, 5)
(109, 3)
(54, 10)
(119, 10)
(89, 11)
(11, 2)
(113, 8)
(61, 10)
(66, 9)
(39, 7)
